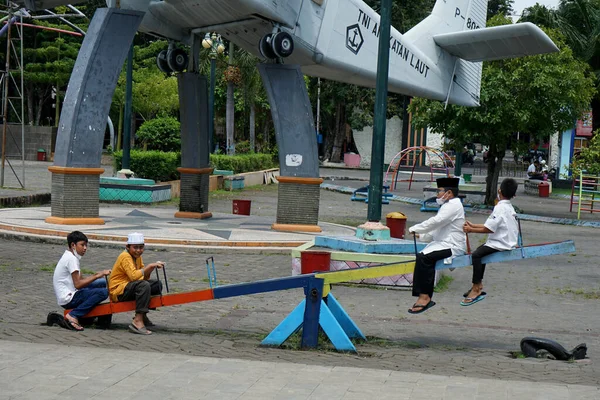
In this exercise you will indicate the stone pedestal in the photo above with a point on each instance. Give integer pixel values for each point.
(194, 193)
(75, 196)
(298, 204)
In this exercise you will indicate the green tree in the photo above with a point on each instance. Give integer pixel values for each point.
(536, 95)
(161, 134)
(579, 22)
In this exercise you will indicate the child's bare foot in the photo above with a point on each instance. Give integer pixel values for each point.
(73, 322)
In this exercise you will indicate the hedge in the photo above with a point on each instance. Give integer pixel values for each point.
(162, 166)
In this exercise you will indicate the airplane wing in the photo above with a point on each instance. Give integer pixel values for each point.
(506, 41)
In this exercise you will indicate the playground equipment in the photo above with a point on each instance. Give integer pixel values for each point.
(408, 158)
(358, 194)
(586, 188)
(320, 308)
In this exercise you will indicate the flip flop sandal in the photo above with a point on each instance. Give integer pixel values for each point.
(473, 300)
(465, 294)
(72, 325)
(423, 307)
(139, 331)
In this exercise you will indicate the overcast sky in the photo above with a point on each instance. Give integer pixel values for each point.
(520, 5)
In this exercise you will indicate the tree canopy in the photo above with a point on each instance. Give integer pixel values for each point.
(537, 95)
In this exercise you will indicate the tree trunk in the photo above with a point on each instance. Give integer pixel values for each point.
(252, 127)
(30, 104)
(494, 167)
(120, 128)
(40, 108)
(229, 117)
(340, 133)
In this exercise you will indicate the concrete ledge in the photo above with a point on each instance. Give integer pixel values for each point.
(194, 215)
(20, 201)
(296, 228)
(74, 221)
(354, 244)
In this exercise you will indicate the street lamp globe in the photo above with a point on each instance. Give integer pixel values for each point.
(207, 42)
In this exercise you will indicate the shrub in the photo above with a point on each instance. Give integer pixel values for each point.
(157, 165)
(161, 134)
(162, 166)
(242, 163)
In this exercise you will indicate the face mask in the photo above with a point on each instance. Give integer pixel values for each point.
(76, 254)
(440, 201)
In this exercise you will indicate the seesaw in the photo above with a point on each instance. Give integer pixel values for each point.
(320, 308)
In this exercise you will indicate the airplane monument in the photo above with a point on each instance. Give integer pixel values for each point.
(440, 58)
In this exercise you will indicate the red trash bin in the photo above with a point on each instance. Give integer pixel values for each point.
(313, 261)
(544, 189)
(41, 155)
(242, 207)
(396, 221)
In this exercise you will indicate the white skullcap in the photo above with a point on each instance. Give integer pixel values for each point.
(543, 162)
(135, 238)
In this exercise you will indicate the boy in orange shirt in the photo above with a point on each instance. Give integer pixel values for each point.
(130, 280)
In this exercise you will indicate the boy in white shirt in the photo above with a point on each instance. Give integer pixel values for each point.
(444, 230)
(503, 232)
(72, 290)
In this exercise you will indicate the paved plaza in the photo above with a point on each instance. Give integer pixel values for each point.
(211, 349)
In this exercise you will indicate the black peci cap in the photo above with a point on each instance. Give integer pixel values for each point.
(447, 182)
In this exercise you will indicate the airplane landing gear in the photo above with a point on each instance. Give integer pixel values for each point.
(161, 62)
(276, 46)
(177, 60)
(283, 44)
(172, 60)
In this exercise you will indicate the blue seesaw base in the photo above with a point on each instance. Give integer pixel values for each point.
(333, 319)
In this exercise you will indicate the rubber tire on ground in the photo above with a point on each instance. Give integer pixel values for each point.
(264, 46)
(282, 44)
(177, 60)
(161, 62)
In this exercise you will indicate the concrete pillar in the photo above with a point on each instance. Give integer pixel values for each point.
(299, 190)
(76, 170)
(195, 156)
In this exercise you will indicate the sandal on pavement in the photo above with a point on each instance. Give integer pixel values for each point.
(465, 294)
(139, 331)
(147, 322)
(72, 325)
(422, 307)
(472, 300)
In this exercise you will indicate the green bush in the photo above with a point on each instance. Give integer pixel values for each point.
(242, 163)
(242, 147)
(161, 134)
(162, 166)
(157, 165)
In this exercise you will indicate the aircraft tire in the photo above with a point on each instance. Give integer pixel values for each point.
(264, 46)
(283, 44)
(161, 62)
(177, 60)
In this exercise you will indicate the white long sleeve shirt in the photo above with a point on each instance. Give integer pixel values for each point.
(445, 229)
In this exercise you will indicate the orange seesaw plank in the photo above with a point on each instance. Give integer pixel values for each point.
(155, 302)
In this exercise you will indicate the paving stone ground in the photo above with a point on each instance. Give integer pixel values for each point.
(555, 298)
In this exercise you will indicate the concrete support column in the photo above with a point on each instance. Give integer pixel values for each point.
(195, 162)
(298, 198)
(298, 204)
(76, 170)
(75, 196)
(194, 193)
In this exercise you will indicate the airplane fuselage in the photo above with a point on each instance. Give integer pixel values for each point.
(336, 40)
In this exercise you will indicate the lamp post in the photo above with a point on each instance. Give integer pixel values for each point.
(215, 44)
